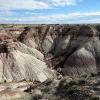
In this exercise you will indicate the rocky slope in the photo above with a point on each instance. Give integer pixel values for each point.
(19, 62)
(41, 52)
(74, 49)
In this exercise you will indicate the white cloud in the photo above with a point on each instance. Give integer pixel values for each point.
(22, 4)
(88, 21)
(63, 2)
(35, 4)
(5, 13)
(65, 17)
(77, 17)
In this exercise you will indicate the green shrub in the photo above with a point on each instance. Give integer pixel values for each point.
(84, 76)
(71, 83)
(82, 81)
(72, 89)
(94, 98)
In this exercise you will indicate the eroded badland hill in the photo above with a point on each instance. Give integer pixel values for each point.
(50, 62)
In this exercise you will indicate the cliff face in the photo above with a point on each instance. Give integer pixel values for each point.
(19, 62)
(29, 53)
(73, 50)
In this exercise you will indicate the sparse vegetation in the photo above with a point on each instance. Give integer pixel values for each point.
(94, 98)
(40, 49)
(72, 89)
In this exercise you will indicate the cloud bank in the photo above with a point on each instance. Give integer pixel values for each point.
(23, 11)
(77, 17)
(35, 4)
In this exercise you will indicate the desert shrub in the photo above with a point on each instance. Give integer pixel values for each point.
(82, 81)
(98, 27)
(61, 87)
(83, 76)
(94, 98)
(93, 75)
(71, 83)
(67, 87)
(37, 97)
(72, 89)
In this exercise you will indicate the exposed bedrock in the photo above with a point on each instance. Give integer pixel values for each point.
(70, 49)
(19, 62)
(75, 49)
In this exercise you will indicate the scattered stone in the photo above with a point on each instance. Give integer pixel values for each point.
(37, 94)
(15, 95)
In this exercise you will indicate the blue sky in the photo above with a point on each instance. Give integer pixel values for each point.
(49, 11)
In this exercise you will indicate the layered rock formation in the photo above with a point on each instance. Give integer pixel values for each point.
(36, 59)
(75, 49)
(71, 49)
(19, 62)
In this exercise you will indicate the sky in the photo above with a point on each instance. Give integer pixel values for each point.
(49, 11)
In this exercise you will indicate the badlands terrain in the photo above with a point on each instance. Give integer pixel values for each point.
(50, 62)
